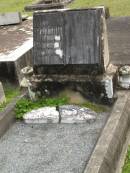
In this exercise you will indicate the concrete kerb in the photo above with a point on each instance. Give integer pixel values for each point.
(7, 117)
(17, 59)
(106, 154)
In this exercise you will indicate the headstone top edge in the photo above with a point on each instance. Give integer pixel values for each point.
(68, 9)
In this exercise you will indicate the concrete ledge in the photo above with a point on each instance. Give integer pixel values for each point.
(109, 146)
(7, 117)
(11, 64)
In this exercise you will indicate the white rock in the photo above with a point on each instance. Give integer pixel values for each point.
(76, 114)
(42, 115)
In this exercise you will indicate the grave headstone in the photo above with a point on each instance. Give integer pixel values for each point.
(70, 41)
(2, 94)
(10, 18)
(71, 49)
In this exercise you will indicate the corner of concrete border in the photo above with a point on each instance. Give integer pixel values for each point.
(7, 117)
(106, 154)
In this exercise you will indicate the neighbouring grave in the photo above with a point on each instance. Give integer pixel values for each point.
(12, 62)
(47, 4)
(2, 94)
(10, 18)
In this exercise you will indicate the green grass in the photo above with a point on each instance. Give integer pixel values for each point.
(14, 5)
(11, 92)
(25, 105)
(126, 167)
(95, 107)
(117, 7)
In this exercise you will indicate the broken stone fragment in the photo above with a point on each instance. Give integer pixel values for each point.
(125, 70)
(66, 114)
(124, 77)
(24, 83)
(42, 115)
(27, 71)
(76, 114)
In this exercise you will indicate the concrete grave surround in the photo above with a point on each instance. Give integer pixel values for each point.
(10, 18)
(66, 114)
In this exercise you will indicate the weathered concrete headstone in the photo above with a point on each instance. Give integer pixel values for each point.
(70, 41)
(2, 94)
(10, 18)
(71, 48)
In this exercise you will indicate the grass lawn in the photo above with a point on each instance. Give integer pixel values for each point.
(126, 167)
(11, 91)
(14, 5)
(117, 7)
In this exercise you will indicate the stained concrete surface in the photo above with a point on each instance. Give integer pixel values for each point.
(49, 148)
(119, 39)
(13, 36)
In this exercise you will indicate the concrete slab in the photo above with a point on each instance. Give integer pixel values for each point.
(17, 53)
(10, 18)
(49, 148)
(15, 49)
(13, 36)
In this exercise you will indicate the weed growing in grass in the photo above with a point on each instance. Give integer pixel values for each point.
(126, 167)
(95, 107)
(11, 92)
